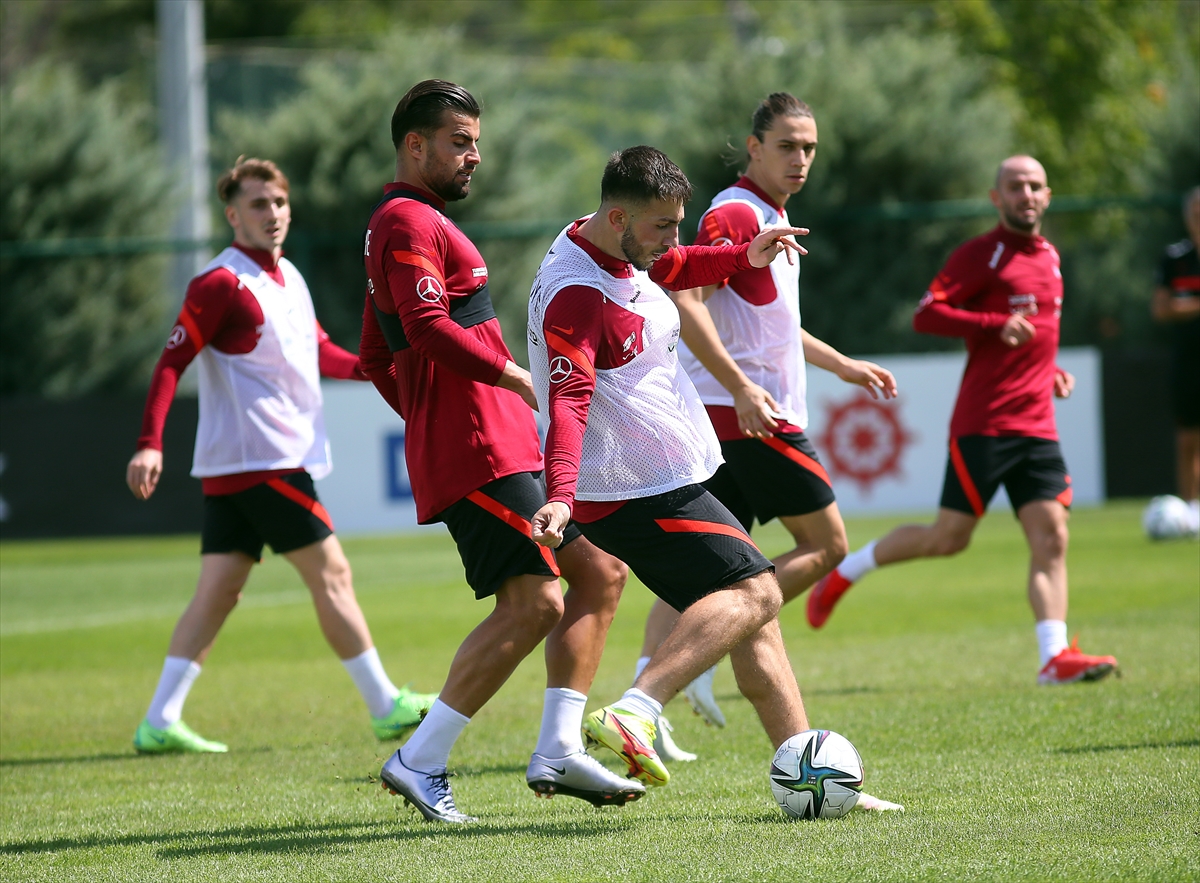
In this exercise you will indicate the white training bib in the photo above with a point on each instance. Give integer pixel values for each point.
(764, 340)
(647, 431)
(262, 409)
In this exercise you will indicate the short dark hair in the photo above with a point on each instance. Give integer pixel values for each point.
(774, 106)
(231, 179)
(423, 106)
(643, 174)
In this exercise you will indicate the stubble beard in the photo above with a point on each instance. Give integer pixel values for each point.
(633, 254)
(448, 188)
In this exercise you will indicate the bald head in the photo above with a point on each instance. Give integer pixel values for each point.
(1021, 195)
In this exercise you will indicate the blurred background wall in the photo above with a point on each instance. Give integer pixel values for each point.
(916, 102)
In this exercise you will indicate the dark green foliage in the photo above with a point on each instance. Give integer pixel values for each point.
(76, 162)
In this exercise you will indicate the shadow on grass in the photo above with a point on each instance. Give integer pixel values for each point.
(1133, 746)
(101, 758)
(304, 838)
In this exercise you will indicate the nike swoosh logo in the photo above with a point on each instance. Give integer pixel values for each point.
(570, 329)
(562, 771)
(159, 739)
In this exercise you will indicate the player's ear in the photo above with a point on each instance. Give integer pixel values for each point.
(994, 196)
(231, 215)
(753, 146)
(618, 218)
(414, 143)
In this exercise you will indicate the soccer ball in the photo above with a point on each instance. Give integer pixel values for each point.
(1167, 518)
(816, 774)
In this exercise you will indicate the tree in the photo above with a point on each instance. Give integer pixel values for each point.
(76, 162)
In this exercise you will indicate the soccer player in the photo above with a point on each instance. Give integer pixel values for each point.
(249, 320)
(744, 349)
(1003, 293)
(1177, 303)
(433, 347)
(629, 444)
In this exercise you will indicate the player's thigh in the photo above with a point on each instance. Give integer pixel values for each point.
(779, 476)
(683, 544)
(823, 529)
(322, 565)
(491, 528)
(590, 569)
(223, 573)
(1045, 526)
(1038, 473)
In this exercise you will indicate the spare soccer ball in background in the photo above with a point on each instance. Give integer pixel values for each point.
(816, 774)
(1167, 518)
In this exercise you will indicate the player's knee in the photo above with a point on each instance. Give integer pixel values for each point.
(950, 542)
(836, 550)
(1053, 542)
(764, 596)
(537, 612)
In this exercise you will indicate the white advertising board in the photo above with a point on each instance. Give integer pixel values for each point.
(882, 457)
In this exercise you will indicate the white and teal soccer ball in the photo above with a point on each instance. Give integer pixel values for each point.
(1167, 518)
(816, 774)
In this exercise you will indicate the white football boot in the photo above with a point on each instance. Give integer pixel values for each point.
(699, 694)
(580, 775)
(428, 792)
(665, 745)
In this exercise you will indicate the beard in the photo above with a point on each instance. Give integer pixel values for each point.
(641, 260)
(444, 183)
(1018, 222)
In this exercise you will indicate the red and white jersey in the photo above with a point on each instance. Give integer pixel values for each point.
(261, 410)
(625, 419)
(1005, 390)
(756, 311)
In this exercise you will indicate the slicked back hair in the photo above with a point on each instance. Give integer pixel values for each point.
(230, 182)
(642, 175)
(774, 106)
(424, 105)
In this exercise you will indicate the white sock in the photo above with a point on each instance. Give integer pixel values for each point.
(428, 749)
(1051, 638)
(173, 684)
(372, 681)
(640, 703)
(562, 719)
(858, 564)
(642, 662)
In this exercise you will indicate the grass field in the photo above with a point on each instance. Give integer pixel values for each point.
(928, 668)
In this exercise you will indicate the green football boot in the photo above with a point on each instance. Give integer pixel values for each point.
(178, 737)
(631, 736)
(410, 709)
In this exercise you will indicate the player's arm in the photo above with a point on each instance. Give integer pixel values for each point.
(755, 407)
(876, 380)
(205, 308)
(412, 265)
(573, 330)
(695, 266)
(1064, 383)
(1168, 307)
(944, 308)
(335, 362)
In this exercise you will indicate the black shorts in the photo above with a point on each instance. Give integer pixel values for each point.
(491, 528)
(767, 478)
(1030, 469)
(1185, 391)
(284, 513)
(682, 544)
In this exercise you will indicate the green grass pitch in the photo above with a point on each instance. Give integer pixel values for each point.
(928, 668)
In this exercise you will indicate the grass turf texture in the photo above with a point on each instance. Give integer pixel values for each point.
(928, 668)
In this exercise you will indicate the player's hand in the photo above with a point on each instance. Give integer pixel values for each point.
(771, 241)
(1064, 383)
(1017, 330)
(548, 524)
(756, 411)
(516, 379)
(143, 472)
(874, 379)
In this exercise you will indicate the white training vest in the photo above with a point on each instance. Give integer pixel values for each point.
(262, 409)
(763, 340)
(647, 431)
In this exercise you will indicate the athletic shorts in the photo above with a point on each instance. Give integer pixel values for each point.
(1029, 468)
(491, 528)
(767, 478)
(284, 513)
(683, 544)
(1185, 391)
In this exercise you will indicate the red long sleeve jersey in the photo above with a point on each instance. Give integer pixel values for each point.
(1005, 390)
(440, 367)
(591, 332)
(219, 312)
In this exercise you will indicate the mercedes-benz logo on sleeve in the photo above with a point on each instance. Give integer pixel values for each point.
(724, 240)
(560, 369)
(178, 336)
(429, 289)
